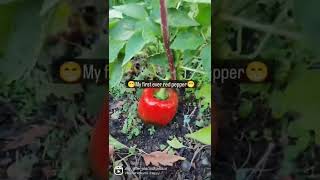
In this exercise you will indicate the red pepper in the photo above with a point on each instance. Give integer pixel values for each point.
(156, 111)
(98, 151)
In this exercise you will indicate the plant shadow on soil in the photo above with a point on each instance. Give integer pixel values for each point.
(201, 168)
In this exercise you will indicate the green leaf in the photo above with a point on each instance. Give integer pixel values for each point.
(159, 59)
(134, 46)
(206, 59)
(175, 18)
(114, 48)
(149, 29)
(47, 5)
(115, 14)
(307, 16)
(301, 96)
(115, 143)
(58, 19)
(123, 30)
(180, 19)
(187, 41)
(132, 10)
(24, 42)
(205, 93)
(175, 143)
(188, 56)
(7, 1)
(98, 50)
(7, 15)
(66, 91)
(245, 108)
(204, 15)
(203, 135)
(198, 1)
(115, 73)
(94, 99)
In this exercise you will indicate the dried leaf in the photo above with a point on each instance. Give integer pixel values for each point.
(163, 158)
(28, 137)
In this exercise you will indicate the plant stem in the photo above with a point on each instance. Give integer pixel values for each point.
(165, 34)
(161, 94)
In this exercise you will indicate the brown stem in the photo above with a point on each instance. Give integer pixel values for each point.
(165, 34)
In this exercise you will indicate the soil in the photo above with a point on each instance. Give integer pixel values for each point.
(201, 166)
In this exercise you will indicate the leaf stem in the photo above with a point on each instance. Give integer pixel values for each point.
(193, 70)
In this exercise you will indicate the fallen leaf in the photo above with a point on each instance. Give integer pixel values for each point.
(163, 158)
(28, 137)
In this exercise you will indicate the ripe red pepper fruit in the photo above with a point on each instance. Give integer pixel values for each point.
(98, 152)
(153, 110)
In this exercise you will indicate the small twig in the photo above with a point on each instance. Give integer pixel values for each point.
(197, 152)
(263, 159)
(199, 65)
(193, 111)
(261, 27)
(249, 154)
(239, 40)
(314, 176)
(83, 48)
(82, 119)
(128, 166)
(268, 35)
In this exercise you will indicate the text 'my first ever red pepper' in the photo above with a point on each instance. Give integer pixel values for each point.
(153, 110)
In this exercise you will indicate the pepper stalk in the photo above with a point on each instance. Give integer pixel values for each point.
(166, 38)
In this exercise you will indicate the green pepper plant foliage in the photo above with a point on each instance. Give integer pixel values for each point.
(135, 37)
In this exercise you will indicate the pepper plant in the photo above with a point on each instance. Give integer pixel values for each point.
(135, 32)
(163, 37)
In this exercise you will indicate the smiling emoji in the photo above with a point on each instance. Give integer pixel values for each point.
(190, 84)
(70, 72)
(131, 84)
(257, 71)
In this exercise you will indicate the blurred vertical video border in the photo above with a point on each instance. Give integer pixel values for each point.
(181, 147)
(268, 130)
(45, 127)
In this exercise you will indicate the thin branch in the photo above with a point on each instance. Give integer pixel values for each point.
(263, 159)
(261, 27)
(268, 35)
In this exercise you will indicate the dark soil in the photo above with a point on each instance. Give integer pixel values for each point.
(238, 147)
(201, 167)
